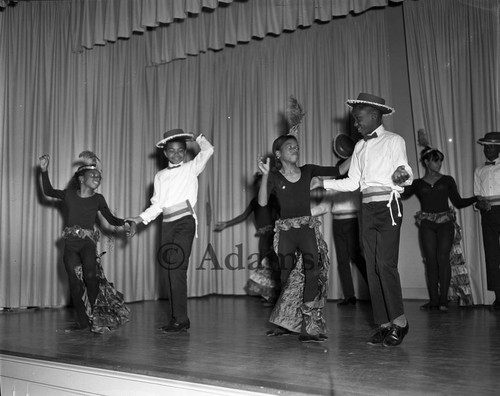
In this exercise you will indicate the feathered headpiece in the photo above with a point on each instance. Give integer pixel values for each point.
(423, 141)
(88, 160)
(294, 114)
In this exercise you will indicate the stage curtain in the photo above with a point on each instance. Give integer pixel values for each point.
(454, 76)
(56, 101)
(180, 28)
(5, 3)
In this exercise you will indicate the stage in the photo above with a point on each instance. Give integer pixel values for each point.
(226, 352)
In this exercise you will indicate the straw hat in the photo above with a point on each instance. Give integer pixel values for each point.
(174, 134)
(490, 138)
(371, 100)
(343, 145)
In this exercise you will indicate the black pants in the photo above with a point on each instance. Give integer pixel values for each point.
(348, 248)
(81, 252)
(266, 250)
(437, 240)
(303, 239)
(177, 240)
(490, 224)
(381, 250)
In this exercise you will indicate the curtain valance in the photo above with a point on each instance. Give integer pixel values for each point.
(178, 28)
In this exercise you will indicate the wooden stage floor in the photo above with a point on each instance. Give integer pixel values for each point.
(454, 353)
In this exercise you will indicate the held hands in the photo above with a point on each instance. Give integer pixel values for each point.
(400, 175)
(483, 204)
(131, 225)
(264, 166)
(44, 162)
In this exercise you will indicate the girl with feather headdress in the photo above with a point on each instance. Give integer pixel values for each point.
(98, 305)
(439, 232)
(303, 276)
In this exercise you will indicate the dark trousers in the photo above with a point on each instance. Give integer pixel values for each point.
(303, 239)
(348, 248)
(381, 250)
(437, 240)
(266, 249)
(177, 240)
(81, 252)
(490, 224)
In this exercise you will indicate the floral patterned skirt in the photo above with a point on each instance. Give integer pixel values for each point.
(290, 310)
(109, 310)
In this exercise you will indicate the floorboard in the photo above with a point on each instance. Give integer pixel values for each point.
(444, 353)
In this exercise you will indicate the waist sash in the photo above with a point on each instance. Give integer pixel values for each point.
(177, 211)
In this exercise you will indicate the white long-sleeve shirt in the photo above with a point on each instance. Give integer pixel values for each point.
(487, 180)
(175, 185)
(373, 164)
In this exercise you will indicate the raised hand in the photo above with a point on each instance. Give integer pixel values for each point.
(44, 162)
(264, 166)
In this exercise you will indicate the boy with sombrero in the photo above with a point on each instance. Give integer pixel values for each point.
(379, 168)
(487, 186)
(175, 196)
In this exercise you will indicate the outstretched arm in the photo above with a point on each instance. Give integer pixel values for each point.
(238, 219)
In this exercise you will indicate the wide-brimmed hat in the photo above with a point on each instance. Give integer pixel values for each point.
(343, 145)
(490, 138)
(371, 100)
(174, 134)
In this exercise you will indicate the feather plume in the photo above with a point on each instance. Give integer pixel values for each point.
(423, 139)
(282, 125)
(294, 113)
(88, 158)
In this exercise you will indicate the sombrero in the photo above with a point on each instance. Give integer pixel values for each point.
(371, 100)
(343, 145)
(174, 134)
(490, 138)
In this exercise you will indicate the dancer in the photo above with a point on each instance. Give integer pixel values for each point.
(175, 195)
(344, 207)
(487, 186)
(438, 229)
(98, 305)
(379, 168)
(265, 279)
(297, 230)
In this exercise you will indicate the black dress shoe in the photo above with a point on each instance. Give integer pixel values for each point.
(396, 335)
(379, 335)
(310, 338)
(347, 301)
(176, 327)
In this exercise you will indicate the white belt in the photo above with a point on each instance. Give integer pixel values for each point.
(382, 194)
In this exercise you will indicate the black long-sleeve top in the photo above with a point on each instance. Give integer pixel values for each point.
(295, 198)
(434, 198)
(80, 211)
